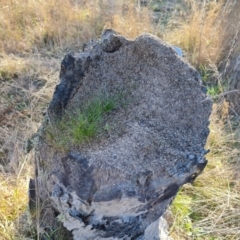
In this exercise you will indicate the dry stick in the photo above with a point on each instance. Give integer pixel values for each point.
(37, 203)
(225, 93)
(234, 112)
(22, 164)
(220, 95)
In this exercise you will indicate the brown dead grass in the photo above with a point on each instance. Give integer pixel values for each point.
(58, 25)
(13, 188)
(125, 23)
(22, 103)
(55, 24)
(208, 34)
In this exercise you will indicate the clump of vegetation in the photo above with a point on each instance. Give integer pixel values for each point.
(82, 125)
(181, 210)
(123, 23)
(11, 67)
(214, 90)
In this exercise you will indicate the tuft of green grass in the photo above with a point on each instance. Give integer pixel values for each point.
(212, 79)
(84, 124)
(214, 90)
(205, 72)
(181, 210)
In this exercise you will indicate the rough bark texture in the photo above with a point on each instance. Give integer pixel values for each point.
(118, 184)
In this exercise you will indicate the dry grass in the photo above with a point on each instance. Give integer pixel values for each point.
(126, 23)
(23, 98)
(208, 33)
(34, 36)
(56, 25)
(14, 178)
(217, 199)
(11, 67)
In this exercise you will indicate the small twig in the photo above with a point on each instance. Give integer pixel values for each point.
(225, 93)
(22, 165)
(220, 95)
(236, 114)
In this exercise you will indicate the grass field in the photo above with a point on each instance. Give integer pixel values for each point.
(35, 35)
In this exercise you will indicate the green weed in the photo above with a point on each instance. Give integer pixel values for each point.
(84, 124)
(182, 209)
(205, 73)
(214, 90)
(212, 79)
